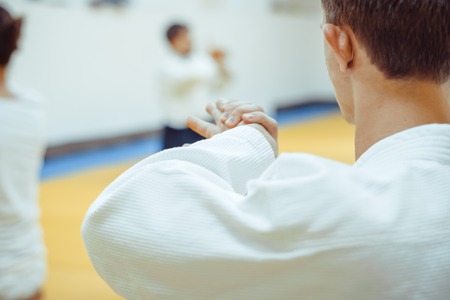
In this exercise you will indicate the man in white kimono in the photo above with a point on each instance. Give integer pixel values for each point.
(23, 264)
(226, 219)
(188, 79)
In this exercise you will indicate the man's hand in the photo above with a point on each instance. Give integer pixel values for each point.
(229, 114)
(206, 129)
(235, 113)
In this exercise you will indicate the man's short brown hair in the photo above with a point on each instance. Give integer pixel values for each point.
(405, 39)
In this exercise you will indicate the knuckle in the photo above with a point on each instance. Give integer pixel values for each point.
(226, 107)
(259, 114)
(222, 102)
(239, 110)
(231, 107)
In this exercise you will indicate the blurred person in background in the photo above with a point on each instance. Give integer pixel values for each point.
(188, 80)
(22, 252)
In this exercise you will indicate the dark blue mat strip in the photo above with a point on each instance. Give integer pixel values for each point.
(84, 160)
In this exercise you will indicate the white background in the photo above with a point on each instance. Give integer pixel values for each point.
(97, 68)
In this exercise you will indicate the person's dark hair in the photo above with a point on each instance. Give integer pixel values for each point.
(405, 39)
(9, 35)
(174, 30)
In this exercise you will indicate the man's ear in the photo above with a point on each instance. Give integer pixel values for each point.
(17, 23)
(340, 43)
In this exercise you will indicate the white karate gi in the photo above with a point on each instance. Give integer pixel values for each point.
(22, 250)
(223, 219)
(187, 85)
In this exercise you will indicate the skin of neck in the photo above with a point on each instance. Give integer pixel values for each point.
(4, 91)
(383, 107)
(2, 76)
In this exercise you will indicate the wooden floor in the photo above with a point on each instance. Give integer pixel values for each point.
(64, 202)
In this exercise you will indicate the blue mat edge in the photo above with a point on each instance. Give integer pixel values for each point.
(64, 165)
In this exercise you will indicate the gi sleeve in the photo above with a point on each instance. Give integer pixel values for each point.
(169, 207)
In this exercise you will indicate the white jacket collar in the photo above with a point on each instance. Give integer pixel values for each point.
(426, 142)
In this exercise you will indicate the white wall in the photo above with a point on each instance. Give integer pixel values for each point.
(97, 68)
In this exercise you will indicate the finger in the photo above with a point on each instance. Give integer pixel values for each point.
(227, 106)
(267, 122)
(236, 114)
(229, 109)
(200, 126)
(222, 102)
(214, 112)
(230, 105)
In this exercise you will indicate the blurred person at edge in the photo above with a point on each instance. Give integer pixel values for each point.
(188, 80)
(22, 252)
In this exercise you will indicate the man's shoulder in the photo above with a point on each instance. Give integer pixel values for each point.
(334, 199)
(314, 178)
(304, 164)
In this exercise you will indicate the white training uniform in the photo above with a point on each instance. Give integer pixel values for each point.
(187, 85)
(22, 251)
(223, 219)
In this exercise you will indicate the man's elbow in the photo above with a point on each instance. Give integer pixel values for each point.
(93, 237)
(101, 241)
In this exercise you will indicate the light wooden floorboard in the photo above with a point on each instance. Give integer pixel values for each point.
(63, 203)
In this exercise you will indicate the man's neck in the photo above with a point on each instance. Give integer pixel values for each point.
(4, 91)
(2, 76)
(388, 107)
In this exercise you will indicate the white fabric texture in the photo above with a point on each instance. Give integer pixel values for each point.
(187, 85)
(22, 250)
(223, 219)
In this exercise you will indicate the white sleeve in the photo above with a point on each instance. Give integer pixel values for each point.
(160, 209)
